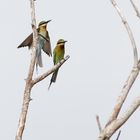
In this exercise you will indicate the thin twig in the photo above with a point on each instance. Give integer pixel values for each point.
(118, 136)
(43, 76)
(134, 73)
(98, 123)
(135, 8)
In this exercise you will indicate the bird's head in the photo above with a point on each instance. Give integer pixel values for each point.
(43, 23)
(61, 41)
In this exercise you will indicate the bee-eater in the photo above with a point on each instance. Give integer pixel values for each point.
(58, 55)
(42, 43)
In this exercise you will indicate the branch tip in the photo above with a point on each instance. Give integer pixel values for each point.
(98, 123)
(67, 57)
(118, 136)
(113, 2)
(30, 99)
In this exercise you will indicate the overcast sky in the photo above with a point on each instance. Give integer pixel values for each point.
(88, 83)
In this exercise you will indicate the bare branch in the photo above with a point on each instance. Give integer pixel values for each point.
(116, 124)
(43, 76)
(134, 73)
(131, 109)
(28, 86)
(132, 77)
(135, 8)
(98, 123)
(129, 32)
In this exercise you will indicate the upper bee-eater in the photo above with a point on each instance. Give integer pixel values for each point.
(42, 43)
(58, 55)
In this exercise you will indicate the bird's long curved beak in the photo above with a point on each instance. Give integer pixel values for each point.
(48, 21)
(65, 41)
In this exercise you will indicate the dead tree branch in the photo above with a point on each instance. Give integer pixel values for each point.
(130, 110)
(135, 8)
(134, 73)
(116, 122)
(121, 99)
(129, 32)
(28, 86)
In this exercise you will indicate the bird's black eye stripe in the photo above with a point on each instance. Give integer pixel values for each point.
(42, 23)
(60, 42)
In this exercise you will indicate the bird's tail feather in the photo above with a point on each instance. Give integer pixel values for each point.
(40, 63)
(53, 79)
(38, 58)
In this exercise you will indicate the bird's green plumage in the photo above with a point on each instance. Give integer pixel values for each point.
(58, 55)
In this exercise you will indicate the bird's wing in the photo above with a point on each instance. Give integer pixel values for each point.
(27, 42)
(47, 47)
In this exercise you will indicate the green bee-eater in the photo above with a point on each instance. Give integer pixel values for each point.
(42, 43)
(58, 55)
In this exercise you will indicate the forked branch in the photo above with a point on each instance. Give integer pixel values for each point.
(115, 122)
(134, 73)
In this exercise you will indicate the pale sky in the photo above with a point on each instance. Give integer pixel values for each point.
(87, 84)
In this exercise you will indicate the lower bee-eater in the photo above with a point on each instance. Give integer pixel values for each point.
(43, 42)
(58, 55)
